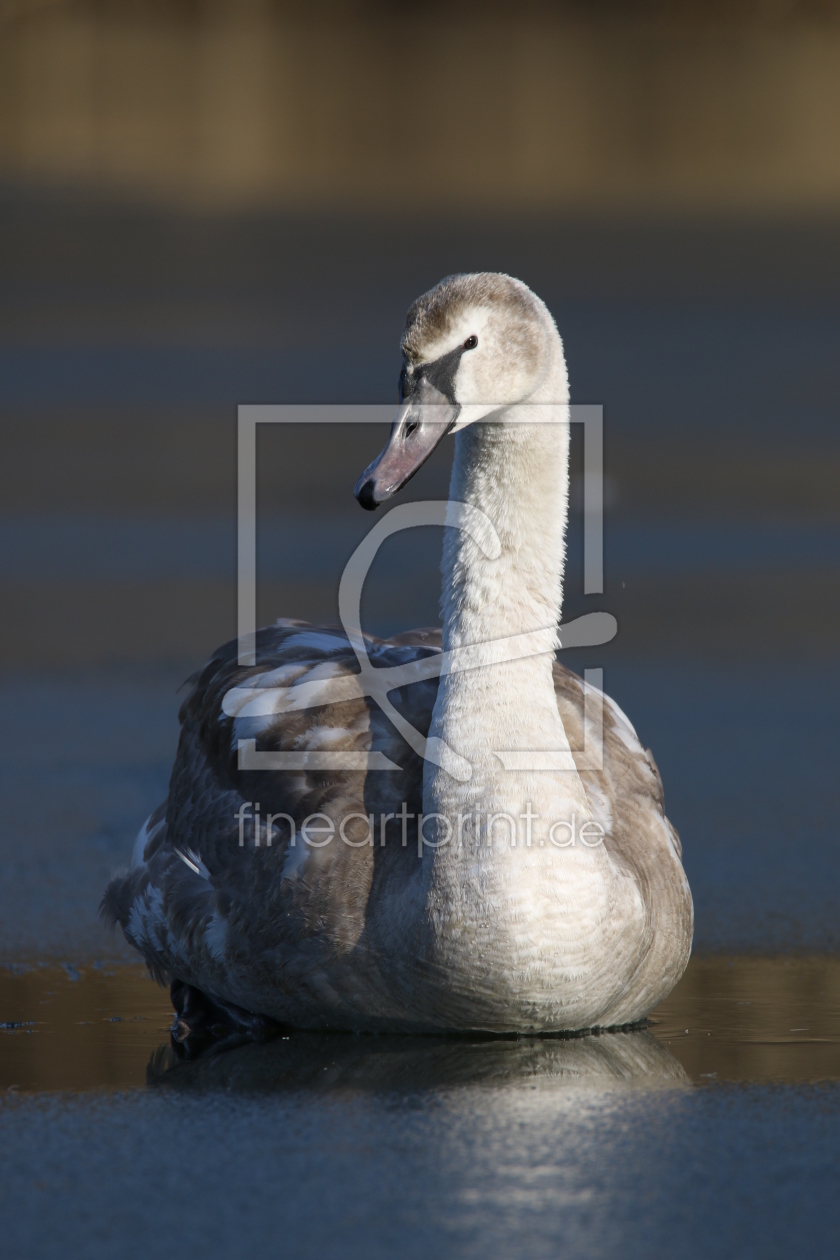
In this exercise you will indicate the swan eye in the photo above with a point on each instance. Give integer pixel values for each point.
(471, 343)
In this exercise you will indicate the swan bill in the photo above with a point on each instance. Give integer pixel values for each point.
(421, 424)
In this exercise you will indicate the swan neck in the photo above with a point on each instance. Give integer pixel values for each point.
(514, 470)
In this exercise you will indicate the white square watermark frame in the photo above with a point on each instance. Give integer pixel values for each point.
(590, 630)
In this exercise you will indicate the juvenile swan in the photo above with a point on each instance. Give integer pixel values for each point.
(540, 899)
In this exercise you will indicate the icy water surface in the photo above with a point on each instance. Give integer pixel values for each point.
(747, 1019)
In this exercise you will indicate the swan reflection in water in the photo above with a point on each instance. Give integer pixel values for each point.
(328, 1061)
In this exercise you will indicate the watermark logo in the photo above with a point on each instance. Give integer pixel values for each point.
(590, 630)
(359, 831)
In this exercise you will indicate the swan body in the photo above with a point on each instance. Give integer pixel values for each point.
(507, 881)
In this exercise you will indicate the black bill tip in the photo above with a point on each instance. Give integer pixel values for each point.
(365, 495)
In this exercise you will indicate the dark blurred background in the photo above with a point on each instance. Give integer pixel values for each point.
(203, 204)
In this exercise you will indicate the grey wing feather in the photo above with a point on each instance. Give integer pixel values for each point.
(240, 899)
(626, 793)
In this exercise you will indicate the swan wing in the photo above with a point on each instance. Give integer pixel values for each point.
(253, 881)
(229, 889)
(624, 792)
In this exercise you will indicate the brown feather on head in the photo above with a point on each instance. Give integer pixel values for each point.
(434, 315)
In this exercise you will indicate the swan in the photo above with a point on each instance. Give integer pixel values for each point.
(541, 890)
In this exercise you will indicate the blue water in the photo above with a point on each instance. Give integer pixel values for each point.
(734, 372)
(96, 548)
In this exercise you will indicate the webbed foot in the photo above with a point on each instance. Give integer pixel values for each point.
(200, 1018)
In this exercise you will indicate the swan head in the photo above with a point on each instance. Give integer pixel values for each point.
(471, 346)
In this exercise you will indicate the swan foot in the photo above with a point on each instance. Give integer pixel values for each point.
(199, 1017)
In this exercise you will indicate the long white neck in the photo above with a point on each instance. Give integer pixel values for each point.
(514, 469)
